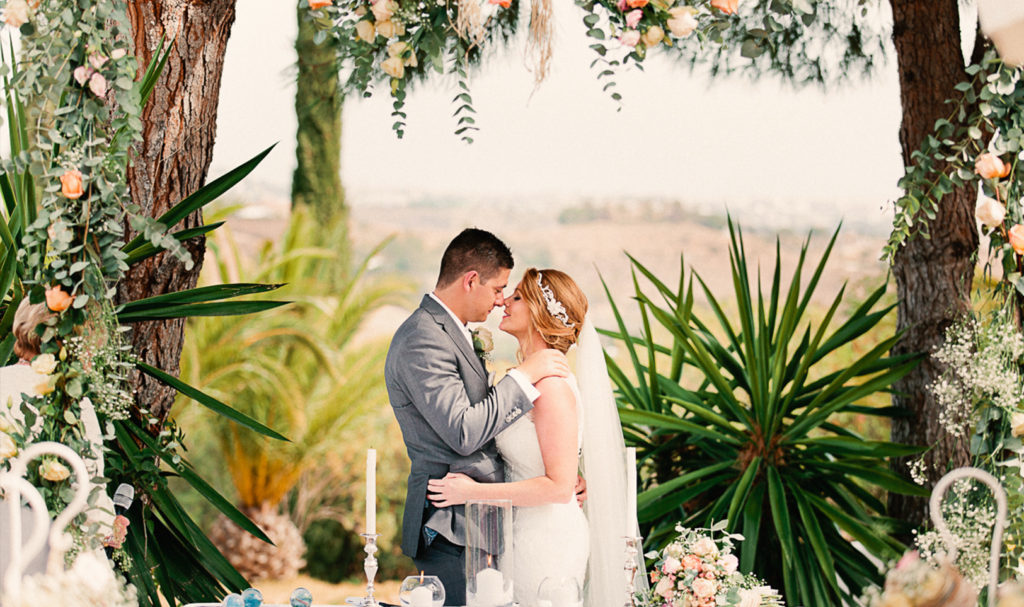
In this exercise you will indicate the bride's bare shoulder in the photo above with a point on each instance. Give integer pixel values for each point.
(555, 389)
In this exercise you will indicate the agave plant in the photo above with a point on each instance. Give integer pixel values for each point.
(737, 423)
(300, 370)
(169, 561)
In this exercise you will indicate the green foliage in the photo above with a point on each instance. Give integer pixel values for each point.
(738, 423)
(986, 114)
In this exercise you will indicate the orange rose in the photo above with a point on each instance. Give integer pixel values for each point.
(636, 3)
(315, 4)
(501, 3)
(726, 6)
(71, 184)
(57, 300)
(990, 166)
(1016, 236)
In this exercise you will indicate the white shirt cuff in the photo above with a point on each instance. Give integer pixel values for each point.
(528, 389)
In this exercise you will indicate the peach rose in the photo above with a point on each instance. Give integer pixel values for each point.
(7, 447)
(630, 37)
(1016, 237)
(501, 3)
(990, 212)
(388, 29)
(683, 22)
(318, 4)
(54, 471)
(665, 587)
(990, 166)
(636, 3)
(402, 49)
(57, 300)
(71, 184)
(691, 562)
(16, 13)
(726, 6)
(394, 67)
(653, 36)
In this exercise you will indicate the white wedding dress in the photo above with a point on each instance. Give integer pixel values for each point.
(550, 540)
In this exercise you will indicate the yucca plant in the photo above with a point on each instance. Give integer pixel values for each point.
(299, 370)
(170, 560)
(736, 423)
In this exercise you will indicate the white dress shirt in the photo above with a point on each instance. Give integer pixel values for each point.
(528, 389)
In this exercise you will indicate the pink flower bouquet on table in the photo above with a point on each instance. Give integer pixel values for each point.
(698, 570)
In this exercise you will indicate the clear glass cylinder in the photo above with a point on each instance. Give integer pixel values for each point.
(489, 557)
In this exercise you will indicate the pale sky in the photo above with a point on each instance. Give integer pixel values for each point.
(678, 135)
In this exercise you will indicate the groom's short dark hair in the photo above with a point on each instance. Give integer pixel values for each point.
(474, 249)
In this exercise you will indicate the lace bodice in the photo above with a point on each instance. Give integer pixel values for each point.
(520, 448)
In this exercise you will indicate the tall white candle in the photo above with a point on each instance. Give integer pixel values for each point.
(630, 490)
(371, 491)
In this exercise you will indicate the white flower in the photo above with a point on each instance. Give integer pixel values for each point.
(44, 364)
(750, 597)
(682, 22)
(703, 588)
(990, 212)
(16, 13)
(483, 342)
(1017, 424)
(729, 562)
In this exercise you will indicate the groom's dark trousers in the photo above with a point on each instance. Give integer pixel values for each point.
(449, 415)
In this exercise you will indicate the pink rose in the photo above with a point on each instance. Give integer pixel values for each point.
(633, 17)
(703, 588)
(98, 85)
(671, 565)
(665, 587)
(630, 37)
(622, 5)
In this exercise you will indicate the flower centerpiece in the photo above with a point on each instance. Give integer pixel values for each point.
(914, 582)
(699, 570)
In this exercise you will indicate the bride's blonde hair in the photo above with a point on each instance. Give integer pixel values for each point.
(558, 332)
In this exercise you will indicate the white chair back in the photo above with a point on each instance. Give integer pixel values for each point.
(16, 489)
(935, 506)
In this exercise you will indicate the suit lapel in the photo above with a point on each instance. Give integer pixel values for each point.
(454, 332)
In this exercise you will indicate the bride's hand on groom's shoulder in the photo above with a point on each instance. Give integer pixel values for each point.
(545, 363)
(452, 490)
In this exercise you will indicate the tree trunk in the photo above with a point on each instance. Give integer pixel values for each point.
(318, 101)
(179, 125)
(933, 276)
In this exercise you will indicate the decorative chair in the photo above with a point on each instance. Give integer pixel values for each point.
(15, 489)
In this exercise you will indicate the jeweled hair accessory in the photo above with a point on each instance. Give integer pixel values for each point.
(555, 307)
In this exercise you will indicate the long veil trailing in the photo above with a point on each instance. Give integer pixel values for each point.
(604, 468)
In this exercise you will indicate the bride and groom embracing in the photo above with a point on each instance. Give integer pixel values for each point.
(523, 439)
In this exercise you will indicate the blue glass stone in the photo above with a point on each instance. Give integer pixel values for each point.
(232, 600)
(300, 598)
(252, 598)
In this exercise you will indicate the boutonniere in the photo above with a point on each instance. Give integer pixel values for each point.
(483, 343)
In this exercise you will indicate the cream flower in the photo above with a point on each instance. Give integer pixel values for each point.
(704, 546)
(703, 588)
(990, 212)
(388, 29)
(7, 446)
(383, 9)
(16, 13)
(729, 562)
(653, 36)
(664, 587)
(394, 67)
(682, 23)
(44, 364)
(1017, 424)
(52, 470)
(365, 31)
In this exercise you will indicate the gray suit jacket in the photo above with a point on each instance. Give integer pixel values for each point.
(448, 413)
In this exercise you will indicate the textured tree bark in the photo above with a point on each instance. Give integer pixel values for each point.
(933, 276)
(318, 101)
(179, 125)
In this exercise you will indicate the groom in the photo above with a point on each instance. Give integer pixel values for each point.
(448, 412)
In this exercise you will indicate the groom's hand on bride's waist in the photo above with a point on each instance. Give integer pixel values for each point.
(545, 363)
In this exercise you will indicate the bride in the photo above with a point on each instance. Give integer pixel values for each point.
(574, 426)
